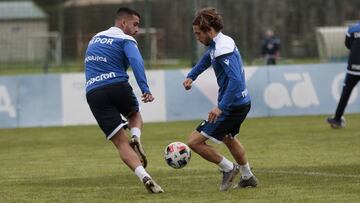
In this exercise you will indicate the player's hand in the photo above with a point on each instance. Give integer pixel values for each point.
(214, 114)
(187, 83)
(147, 97)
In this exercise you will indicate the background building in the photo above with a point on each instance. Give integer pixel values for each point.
(167, 34)
(23, 32)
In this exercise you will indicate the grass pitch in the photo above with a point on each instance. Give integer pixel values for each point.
(296, 159)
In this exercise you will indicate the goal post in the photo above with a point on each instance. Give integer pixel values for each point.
(36, 48)
(330, 43)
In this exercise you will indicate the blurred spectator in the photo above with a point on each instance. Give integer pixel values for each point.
(270, 47)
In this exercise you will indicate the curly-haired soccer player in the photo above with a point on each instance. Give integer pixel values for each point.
(224, 120)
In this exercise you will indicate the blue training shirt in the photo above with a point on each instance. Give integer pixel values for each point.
(352, 42)
(225, 59)
(107, 58)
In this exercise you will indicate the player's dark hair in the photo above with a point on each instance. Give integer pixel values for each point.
(207, 18)
(124, 11)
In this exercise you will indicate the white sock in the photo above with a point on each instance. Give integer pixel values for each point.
(135, 132)
(141, 173)
(226, 165)
(245, 171)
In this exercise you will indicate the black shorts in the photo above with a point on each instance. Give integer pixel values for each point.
(108, 102)
(228, 123)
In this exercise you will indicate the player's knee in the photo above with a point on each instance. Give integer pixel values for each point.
(135, 119)
(228, 140)
(192, 144)
(195, 141)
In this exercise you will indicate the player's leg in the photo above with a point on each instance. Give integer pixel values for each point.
(128, 106)
(127, 154)
(197, 142)
(135, 125)
(107, 115)
(232, 123)
(215, 132)
(349, 84)
(135, 121)
(131, 159)
(237, 150)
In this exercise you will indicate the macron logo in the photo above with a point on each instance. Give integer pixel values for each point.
(227, 62)
(98, 78)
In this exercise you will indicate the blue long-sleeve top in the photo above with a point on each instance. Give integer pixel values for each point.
(352, 42)
(225, 59)
(107, 58)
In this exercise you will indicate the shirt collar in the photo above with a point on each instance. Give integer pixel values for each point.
(116, 29)
(217, 37)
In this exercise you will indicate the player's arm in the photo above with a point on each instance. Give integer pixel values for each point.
(348, 40)
(137, 64)
(200, 67)
(233, 72)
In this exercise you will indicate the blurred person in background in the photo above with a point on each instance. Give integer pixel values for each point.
(110, 95)
(270, 48)
(352, 42)
(225, 119)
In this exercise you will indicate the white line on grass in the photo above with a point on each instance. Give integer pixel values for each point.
(309, 173)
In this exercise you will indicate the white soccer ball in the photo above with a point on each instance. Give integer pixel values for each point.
(177, 155)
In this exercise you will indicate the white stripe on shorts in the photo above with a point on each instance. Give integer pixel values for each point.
(116, 130)
(211, 138)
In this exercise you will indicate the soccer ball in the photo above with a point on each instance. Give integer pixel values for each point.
(177, 155)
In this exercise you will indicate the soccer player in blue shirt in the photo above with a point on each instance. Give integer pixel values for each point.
(109, 95)
(352, 42)
(224, 120)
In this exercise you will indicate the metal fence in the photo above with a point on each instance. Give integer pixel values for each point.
(55, 32)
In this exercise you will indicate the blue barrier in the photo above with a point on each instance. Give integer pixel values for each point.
(59, 99)
(27, 101)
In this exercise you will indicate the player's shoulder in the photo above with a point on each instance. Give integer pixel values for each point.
(223, 45)
(117, 33)
(354, 28)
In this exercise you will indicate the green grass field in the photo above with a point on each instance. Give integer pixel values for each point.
(296, 159)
